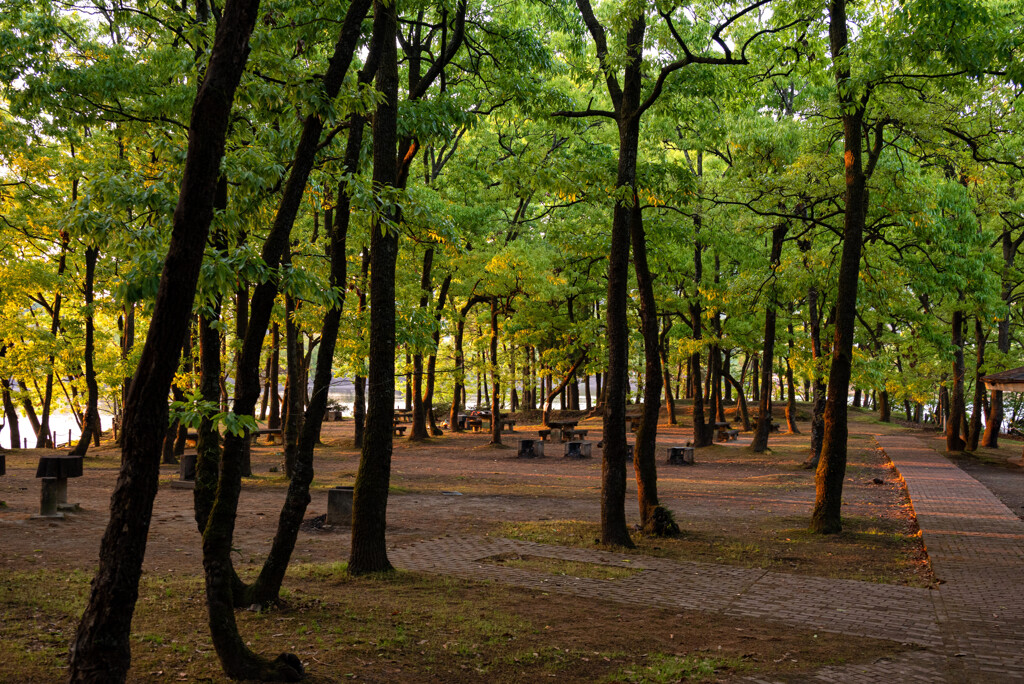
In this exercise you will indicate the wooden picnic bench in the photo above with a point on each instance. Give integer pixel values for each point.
(399, 430)
(544, 434)
(509, 424)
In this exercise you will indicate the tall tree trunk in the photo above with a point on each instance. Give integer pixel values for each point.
(818, 408)
(764, 411)
(428, 395)
(11, 414)
(43, 438)
(294, 389)
(266, 589)
(791, 390)
(419, 417)
(974, 432)
(274, 420)
(359, 384)
(101, 649)
(654, 519)
(666, 369)
(495, 375)
(826, 517)
(954, 440)
(994, 419)
(91, 424)
(370, 497)
(237, 660)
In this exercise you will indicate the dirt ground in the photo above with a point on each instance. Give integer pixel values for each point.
(452, 484)
(734, 507)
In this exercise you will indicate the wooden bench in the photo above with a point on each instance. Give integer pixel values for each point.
(271, 433)
(576, 434)
(544, 434)
(508, 423)
(475, 423)
(399, 430)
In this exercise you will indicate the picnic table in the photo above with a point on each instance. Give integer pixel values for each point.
(564, 427)
(54, 472)
(403, 416)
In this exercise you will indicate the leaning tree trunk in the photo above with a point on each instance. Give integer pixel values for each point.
(267, 587)
(236, 658)
(101, 651)
(741, 401)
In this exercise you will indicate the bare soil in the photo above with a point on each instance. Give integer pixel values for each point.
(457, 484)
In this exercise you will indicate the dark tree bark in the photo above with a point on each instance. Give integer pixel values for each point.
(826, 518)
(974, 432)
(550, 396)
(954, 440)
(495, 378)
(91, 423)
(458, 396)
(237, 660)
(43, 438)
(101, 651)
(654, 519)
(667, 371)
(418, 432)
(791, 390)
(294, 388)
(428, 395)
(370, 497)
(994, 419)
(359, 384)
(267, 587)
(274, 420)
(820, 389)
(764, 410)
(11, 414)
(741, 401)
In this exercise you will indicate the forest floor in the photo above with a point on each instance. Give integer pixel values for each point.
(736, 508)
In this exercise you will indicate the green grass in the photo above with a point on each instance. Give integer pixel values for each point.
(666, 669)
(569, 568)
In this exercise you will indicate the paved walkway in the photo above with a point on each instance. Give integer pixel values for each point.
(971, 629)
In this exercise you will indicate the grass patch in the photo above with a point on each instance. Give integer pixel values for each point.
(660, 668)
(868, 549)
(557, 566)
(409, 627)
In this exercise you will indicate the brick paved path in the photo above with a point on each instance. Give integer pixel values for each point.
(972, 629)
